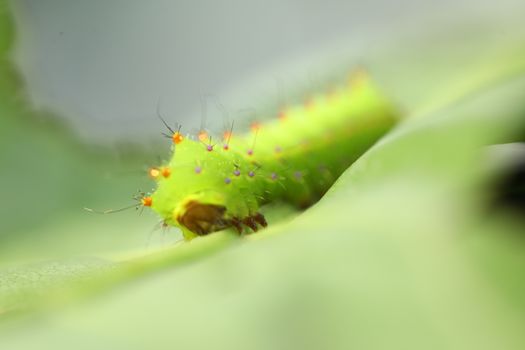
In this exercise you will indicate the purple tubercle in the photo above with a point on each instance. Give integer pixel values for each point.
(209, 148)
(251, 173)
(227, 180)
(250, 152)
(198, 170)
(236, 172)
(274, 176)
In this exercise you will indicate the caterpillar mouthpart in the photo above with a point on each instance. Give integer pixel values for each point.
(202, 218)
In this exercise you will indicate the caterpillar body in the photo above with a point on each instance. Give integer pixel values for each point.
(208, 187)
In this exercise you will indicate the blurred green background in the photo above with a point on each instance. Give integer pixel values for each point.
(406, 251)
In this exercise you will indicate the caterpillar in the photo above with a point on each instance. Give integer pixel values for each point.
(210, 185)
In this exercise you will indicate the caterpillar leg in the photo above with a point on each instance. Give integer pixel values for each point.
(260, 219)
(250, 221)
(237, 224)
(254, 220)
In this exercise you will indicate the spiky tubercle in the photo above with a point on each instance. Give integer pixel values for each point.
(294, 158)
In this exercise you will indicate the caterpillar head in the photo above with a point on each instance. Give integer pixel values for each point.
(204, 191)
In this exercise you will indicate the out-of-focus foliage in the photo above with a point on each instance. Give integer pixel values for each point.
(48, 176)
(403, 252)
(6, 31)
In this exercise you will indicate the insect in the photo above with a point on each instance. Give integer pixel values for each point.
(214, 184)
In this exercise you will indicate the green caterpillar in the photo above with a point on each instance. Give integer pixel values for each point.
(208, 187)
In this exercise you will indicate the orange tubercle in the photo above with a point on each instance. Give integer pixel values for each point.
(332, 93)
(309, 104)
(255, 126)
(154, 173)
(226, 136)
(147, 201)
(202, 136)
(357, 77)
(177, 138)
(166, 172)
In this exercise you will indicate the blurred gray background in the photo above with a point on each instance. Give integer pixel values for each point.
(107, 65)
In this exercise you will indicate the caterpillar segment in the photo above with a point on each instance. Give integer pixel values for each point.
(295, 157)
